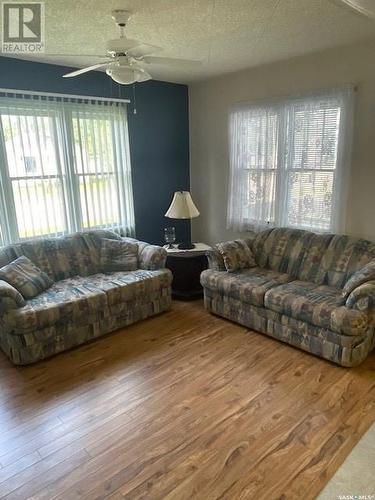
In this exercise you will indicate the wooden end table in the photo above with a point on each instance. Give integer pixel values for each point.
(186, 266)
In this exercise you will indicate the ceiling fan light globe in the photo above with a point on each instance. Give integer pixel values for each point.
(125, 75)
(143, 76)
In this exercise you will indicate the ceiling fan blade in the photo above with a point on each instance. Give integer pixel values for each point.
(128, 45)
(85, 70)
(74, 55)
(364, 7)
(170, 61)
(142, 50)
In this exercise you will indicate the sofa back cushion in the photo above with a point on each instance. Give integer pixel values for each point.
(281, 249)
(57, 257)
(83, 251)
(89, 257)
(35, 251)
(343, 257)
(61, 257)
(81, 255)
(7, 255)
(316, 247)
(118, 255)
(324, 259)
(52, 255)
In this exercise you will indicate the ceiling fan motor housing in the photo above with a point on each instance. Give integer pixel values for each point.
(120, 45)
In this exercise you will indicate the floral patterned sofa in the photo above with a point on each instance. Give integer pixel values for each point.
(313, 291)
(83, 303)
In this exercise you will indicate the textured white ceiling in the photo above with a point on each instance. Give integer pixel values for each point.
(226, 35)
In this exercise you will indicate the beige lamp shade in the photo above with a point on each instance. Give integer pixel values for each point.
(182, 206)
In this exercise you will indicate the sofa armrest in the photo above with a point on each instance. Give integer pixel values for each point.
(363, 275)
(151, 257)
(362, 298)
(10, 298)
(215, 260)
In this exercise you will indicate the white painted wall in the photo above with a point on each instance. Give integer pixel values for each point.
(209, 106)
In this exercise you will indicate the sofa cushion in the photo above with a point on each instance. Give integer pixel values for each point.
(320, 258)
(70, 300)
(86, 248)
(118, 255)
(125, 286)
(33, 250)
(7, 255)
(318, 305)
(236, 255)
(26, 277)
(62, 257)
(57, 253)
(282, 249)
(312, 259)
(247, 285)
(292, 251)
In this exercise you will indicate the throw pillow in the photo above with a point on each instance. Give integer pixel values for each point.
(366, 273)
(10, 298)
(118, 255)
(236, 255)
(26, 277)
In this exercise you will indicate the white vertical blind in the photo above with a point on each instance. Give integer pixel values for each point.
(102, 165)
(65, 167)
(289, 162)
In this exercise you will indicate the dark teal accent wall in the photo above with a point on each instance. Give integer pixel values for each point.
(158, 134)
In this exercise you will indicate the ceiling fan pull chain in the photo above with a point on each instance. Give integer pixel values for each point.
(134, 101)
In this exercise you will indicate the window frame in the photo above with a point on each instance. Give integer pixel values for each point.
(68, 178)
(283, 168)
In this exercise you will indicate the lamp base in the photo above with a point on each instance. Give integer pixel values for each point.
(186, 246)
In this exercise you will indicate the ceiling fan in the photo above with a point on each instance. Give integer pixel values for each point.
(127, 59)
(365, 7)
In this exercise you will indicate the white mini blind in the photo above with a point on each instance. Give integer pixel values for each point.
(65, 167)
(289, 162)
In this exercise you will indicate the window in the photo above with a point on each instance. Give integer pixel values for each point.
(64, 167)
(289, 162)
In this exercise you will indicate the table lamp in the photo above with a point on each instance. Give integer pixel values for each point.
(182, 207)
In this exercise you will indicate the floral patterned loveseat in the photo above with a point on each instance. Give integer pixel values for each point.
(313, 291)
(83, 303)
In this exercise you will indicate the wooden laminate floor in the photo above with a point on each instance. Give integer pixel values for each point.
(184, 405)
